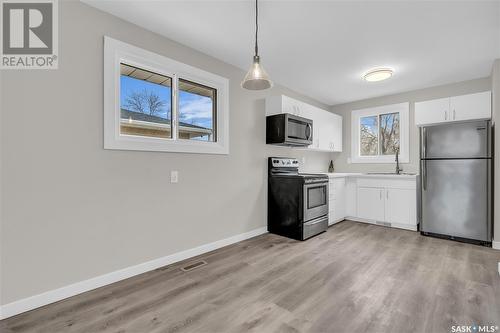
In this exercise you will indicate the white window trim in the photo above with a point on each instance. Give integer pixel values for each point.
(404, 116)
(116, 52)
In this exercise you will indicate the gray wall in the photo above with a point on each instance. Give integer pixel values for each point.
(1, 182)
(73, 210)
(495, 88)
(341, 159)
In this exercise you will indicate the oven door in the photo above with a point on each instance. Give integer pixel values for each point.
(315, 200)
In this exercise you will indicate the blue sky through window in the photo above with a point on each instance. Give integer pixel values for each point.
(128, 85)
(195, 109)
(371, 123)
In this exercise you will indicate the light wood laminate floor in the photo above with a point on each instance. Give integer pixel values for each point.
(353, 278)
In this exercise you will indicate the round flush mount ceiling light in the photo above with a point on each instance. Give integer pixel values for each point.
(378, 74)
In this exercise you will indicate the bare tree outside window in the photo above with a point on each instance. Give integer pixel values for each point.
(368, 136)
(389, 133)
(144, 101)
(379, 134)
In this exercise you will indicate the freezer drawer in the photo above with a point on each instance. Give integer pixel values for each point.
(455, 198)
(459, 140)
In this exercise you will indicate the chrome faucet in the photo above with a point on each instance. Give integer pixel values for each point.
(398, 169)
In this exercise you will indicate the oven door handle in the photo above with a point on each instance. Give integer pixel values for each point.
(316, 182)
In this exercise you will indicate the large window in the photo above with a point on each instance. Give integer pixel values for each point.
(378, 133)
(158, 104)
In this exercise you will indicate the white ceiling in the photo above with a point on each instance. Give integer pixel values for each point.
(322, 48)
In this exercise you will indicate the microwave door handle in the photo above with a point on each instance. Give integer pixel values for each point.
(308, 131)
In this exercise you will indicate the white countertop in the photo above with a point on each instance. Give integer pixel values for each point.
(369, 175)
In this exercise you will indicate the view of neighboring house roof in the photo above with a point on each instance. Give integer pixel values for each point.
(139, 116)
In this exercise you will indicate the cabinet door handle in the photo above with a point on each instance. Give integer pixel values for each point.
(445, 115)
(454, 114)
(387, 194)
(380, 193)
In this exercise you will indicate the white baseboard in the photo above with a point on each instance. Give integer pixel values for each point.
(30, 303)
(335, 221)
(495, 245)
(411, 227)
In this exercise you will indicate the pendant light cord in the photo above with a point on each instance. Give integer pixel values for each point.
(256, 27)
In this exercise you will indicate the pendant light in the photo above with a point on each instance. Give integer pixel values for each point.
(256, 78)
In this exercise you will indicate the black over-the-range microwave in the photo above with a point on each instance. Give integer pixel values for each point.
(288, 130)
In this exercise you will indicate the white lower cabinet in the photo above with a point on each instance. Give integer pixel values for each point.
(371, 203)
(388, 200)
(399, 206)
(337, 204)
(351, 195)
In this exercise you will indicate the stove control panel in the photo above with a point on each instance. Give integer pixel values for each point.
(279, 162)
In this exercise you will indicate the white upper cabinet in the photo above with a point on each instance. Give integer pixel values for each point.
(327, 126)
(473, 106)
(280, 104)
(456, 108)
(330, 131)
(337, 132)
(432, 112)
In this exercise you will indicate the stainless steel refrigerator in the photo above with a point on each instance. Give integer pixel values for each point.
(456, 181)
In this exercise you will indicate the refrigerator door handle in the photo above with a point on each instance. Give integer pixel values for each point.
(424, 175)
(424, 142)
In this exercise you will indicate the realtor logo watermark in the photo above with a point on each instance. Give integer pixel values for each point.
(29, 34)
(474, 329)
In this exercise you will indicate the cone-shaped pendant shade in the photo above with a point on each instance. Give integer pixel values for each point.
(256, 78)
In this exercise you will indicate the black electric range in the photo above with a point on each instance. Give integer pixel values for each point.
(297, 202)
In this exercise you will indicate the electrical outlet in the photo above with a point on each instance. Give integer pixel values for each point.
(174, 176)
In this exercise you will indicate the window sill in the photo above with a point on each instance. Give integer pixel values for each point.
(165, 145)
